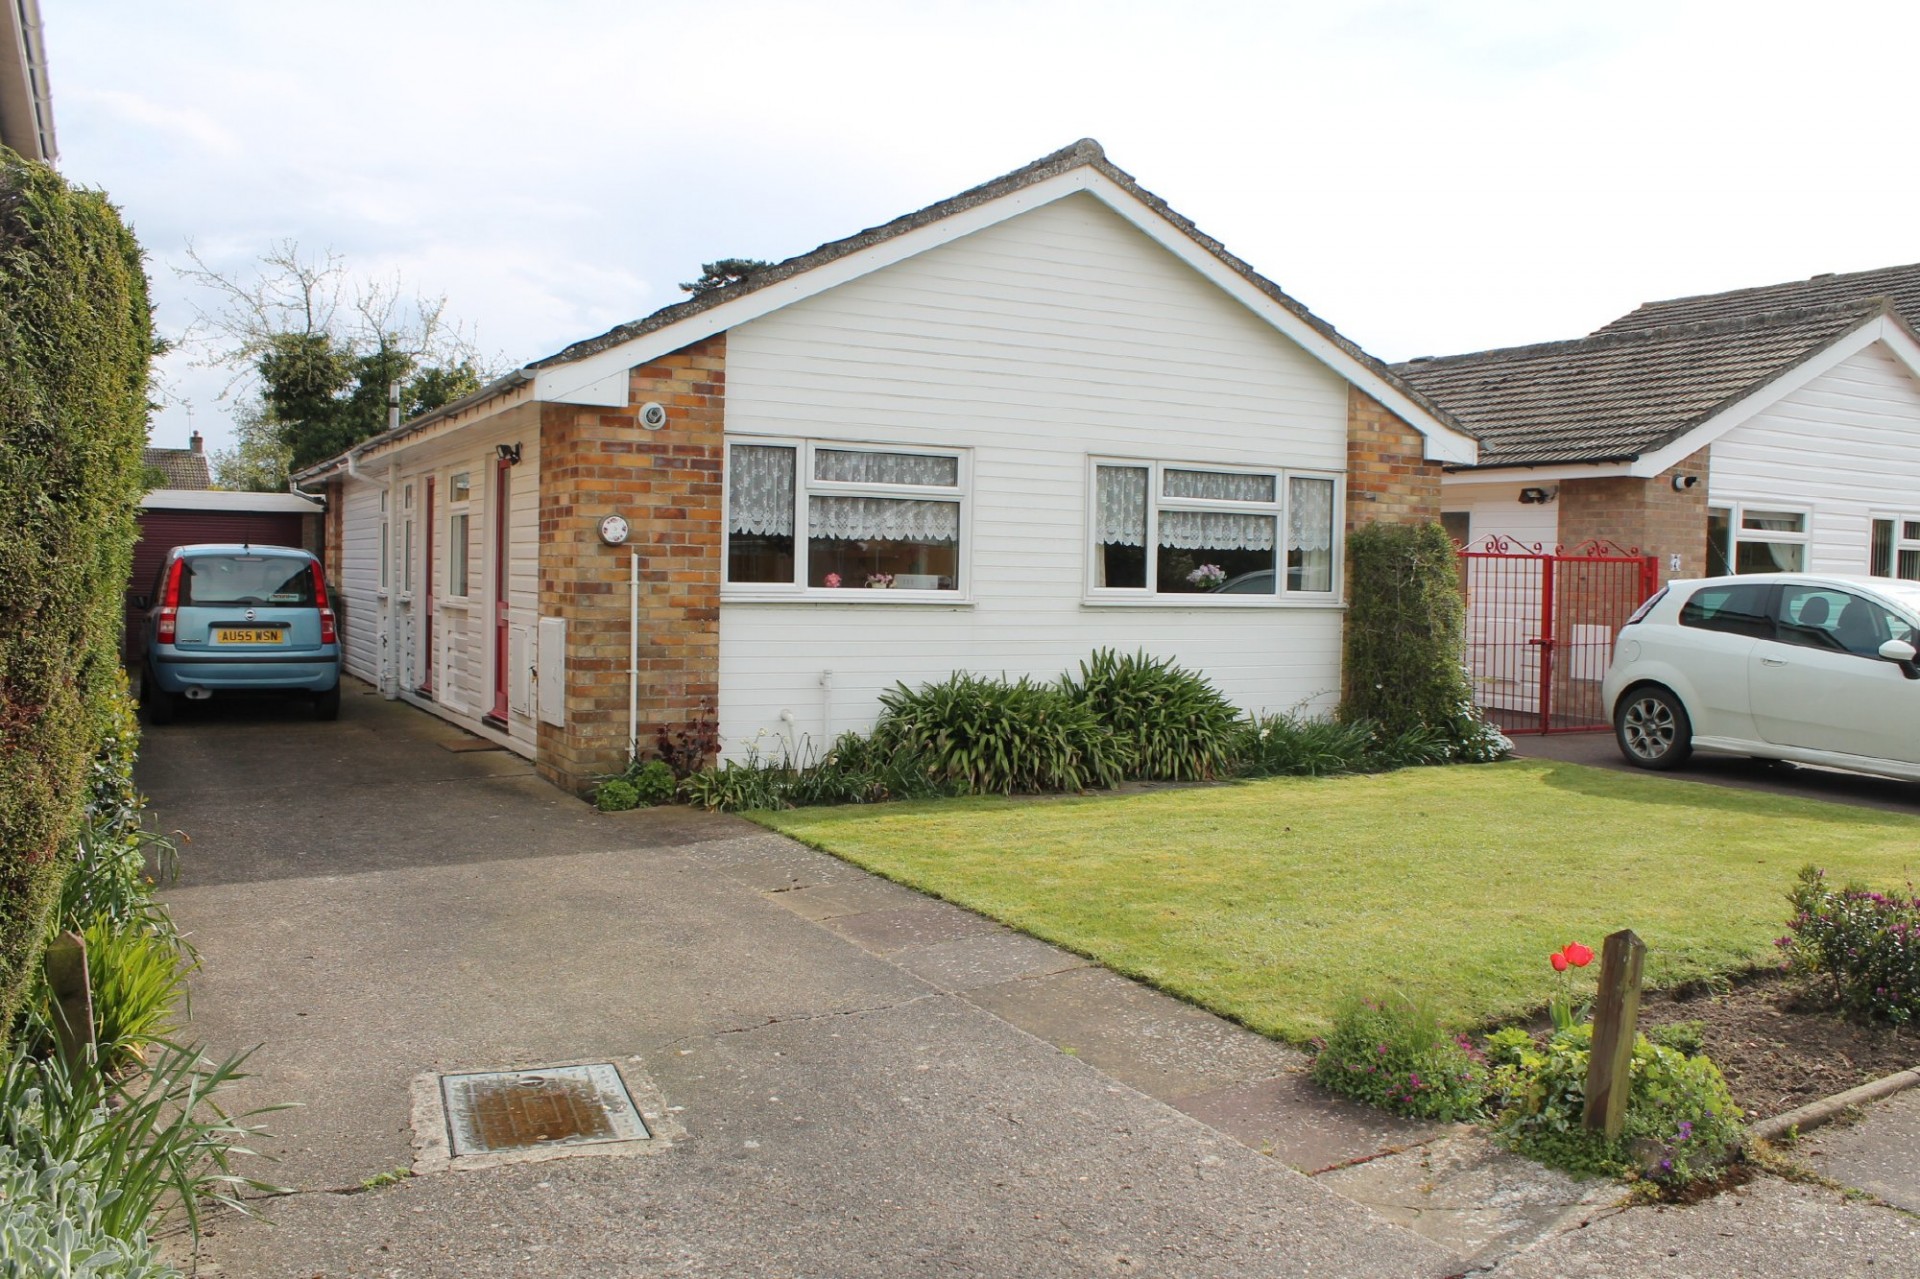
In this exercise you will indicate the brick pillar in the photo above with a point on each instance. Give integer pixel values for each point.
(1648, 514)
(334, 536)
(597, 462)
(1389, 479)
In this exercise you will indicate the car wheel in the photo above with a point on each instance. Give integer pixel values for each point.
(158, 702)
(1652, 728)
(327, 705)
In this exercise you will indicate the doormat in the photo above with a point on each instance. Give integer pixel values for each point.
(465, 744)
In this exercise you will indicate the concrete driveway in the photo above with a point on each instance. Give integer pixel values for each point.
(1597, 750)
(371, 907)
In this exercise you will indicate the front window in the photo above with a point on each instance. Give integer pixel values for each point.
(1245, 533)
(1896, 547)
(457, 555)
(820, 518)
(1836, 620)
(1754, 539)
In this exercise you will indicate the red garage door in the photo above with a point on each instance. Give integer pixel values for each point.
(161, 531)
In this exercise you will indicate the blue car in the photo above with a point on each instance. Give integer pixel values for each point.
(236, 618)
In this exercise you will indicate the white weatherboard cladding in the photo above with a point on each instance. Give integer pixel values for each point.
(360, 580)
(1845, 447)
(1061, 334)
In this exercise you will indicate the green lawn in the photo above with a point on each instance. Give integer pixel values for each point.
(1268, 901)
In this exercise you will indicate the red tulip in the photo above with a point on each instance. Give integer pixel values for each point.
(1559, 961)
(1580, 956)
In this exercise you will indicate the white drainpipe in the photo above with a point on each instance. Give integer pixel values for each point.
(633, 654)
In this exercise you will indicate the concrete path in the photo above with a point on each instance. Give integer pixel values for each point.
(849, 1079)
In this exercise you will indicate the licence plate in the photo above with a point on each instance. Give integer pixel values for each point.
(246, 635)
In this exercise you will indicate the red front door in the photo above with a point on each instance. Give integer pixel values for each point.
(502, 484)
(426, 653)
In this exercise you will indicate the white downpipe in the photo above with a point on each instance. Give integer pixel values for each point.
(633, 654)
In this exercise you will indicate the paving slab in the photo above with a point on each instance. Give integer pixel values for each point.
(986, 959)
(1162, 1047)
(1301, 1124)
(901, 928)
(852, 897)
(1770, 1229)
(1878, 1153)
(1468, 1195)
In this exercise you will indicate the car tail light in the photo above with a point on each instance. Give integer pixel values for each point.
(167, 627)
(329, 630)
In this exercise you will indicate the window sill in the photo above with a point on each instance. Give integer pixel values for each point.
(458, 603)
(854, 596)
(1184, 602)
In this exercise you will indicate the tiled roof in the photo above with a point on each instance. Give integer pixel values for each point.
(1900, 284)
(184, 468)
(1616, 395)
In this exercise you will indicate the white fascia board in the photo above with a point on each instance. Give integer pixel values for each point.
(1882, 329)
(563, 384)
(605, 368)
(1535, 474)
(226, 500)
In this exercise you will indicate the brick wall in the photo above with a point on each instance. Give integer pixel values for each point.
(597, 462)
(335, 535)
(1647, 514)
(1388, 479)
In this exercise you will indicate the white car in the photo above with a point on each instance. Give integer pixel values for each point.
(1805, 667)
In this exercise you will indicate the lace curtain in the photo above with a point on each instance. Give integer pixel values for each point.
(849, 467)
(1309, 515)
(1216, 531)
(760, 499)
(1121, 498)
(882, 519)
(1217, 486)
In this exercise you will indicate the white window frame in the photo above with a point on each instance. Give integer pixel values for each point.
(406, 540)
(805, 486)
(1737, 532)
(1150, 596)
(1901, 543)
(459, 509)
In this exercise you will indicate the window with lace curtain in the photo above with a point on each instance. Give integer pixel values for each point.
(1163, 528)
(820, 517)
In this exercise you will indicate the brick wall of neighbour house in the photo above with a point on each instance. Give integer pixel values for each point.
(1648, 514)
(335, 536)
(1388, 478)
(596, 462)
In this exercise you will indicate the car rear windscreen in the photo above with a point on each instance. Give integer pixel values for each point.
(270, 581)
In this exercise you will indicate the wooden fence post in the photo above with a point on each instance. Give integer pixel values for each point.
(1616, 1020)
(66, 969)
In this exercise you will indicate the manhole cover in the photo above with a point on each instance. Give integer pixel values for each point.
(513, 1110)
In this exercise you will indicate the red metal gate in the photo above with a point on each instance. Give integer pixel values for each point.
(1541, 625)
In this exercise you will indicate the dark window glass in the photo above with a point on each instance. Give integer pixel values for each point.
(1737, 610)
(1719, 535)
(1881, 557)
(1459, 525)
(257, 580)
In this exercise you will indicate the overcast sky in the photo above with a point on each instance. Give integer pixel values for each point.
(1430, 177)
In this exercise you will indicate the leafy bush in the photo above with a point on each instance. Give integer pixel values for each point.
(50, 1225)
(653, 782)
(1681, 1122)
(158, 1143)
(687, 747)
(1862, 945)
(991, 737)
(616, 796)
(1174, 724)
(1405, 632)
(1393, 1054)
(75, 340)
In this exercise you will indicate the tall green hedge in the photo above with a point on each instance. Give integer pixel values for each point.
(75, 340)
(1406, 625)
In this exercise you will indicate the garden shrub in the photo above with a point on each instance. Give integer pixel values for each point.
(1175, 725)
(1681, 1123)
(50, 1225)
(616, 796)
(137, 977)
(1405, 633)
(987, 736)
(1393, 1054)
(653, 782)
(738, 787)
(75, 339)
(1863, 947)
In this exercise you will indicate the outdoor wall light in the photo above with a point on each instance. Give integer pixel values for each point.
(508, 453)
(1537, 496)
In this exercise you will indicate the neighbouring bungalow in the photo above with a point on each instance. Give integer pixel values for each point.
(1042, 417)
(1751, 431)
